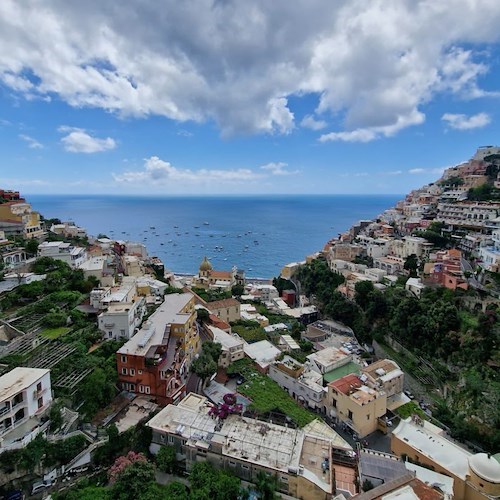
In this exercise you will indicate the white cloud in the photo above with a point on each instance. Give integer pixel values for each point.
(372, 63)
(79, 141)
(310, 122)
(371, 133)
(464, 122)
(157, 171)
(278, 168)
(32, 143)
(438, 170)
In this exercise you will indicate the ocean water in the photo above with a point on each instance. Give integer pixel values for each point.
(259, 234)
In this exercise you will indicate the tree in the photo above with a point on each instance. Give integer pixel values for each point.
(55, 416)
(213, 484)
(411, 265)
(175, 491)
(202, 315)
(237, 290)
(97, 390)
(166, 459)
(131, 475)
(266, 485)
(31, 246)
(363, 290)
(204, 366)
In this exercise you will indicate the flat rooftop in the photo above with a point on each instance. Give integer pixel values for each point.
(155, 328)
(429, 440)
(225, 339)
(327, 357)
(341, 371)
(19, 379)
(245, 439)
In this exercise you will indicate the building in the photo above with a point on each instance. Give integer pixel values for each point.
(302, 383)
(327, 360)
(18, 219)
(227, 310)
(385, 375)
(490, 254)
(68, 230)
(209, 278)
(300, 458)
(263, 353)
(414, 286)
(25, 397)
(289, 270)
(67, 252)
(468, 214)
(156, 360)
(356, 405)
(232, 346)
(121, 319)
(475, 476)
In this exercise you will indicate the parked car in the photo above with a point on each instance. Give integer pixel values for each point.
(409, 394)
(14, 495)
(39, 486)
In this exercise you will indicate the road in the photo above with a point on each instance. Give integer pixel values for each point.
(473, 282)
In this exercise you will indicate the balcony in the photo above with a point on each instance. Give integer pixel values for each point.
(5, 409)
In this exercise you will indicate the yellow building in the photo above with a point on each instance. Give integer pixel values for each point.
(17, 218)
(356, 405)
(475, 476)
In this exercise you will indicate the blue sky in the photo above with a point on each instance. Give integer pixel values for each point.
(226, 97)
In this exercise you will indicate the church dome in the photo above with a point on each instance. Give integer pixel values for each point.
(485, 467)
(205, 265)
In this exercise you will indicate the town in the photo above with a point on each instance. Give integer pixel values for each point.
(368, 370)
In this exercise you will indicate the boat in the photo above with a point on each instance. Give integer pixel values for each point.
(206, 224)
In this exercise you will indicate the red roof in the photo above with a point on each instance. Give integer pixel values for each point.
(346, 384)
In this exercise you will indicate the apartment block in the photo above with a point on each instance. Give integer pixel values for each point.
(301, 459)
(73, 256)
(156, 360)
(25, 396)
(227, 310)
(232, 346)
(303, 384)
(353, 403)
(18, 218)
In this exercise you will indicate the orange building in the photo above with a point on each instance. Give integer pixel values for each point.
(156, 360)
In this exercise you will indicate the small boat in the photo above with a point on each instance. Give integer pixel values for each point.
(206, 224)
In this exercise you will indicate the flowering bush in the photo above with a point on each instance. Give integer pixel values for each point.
(121, 463)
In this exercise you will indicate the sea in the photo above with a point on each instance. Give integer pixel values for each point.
(259, 234)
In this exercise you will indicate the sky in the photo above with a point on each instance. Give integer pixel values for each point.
(235, 97)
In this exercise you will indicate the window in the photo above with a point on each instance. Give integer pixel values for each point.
(39, 386)
(110, 335)
(124, 371)
(368, 417)
(40, 402)
(141, 389)
(162, 438)
(334, 402)
(170, 439)
(122, 333)
(132, 387)
(139, 372)
(124, 358)
(147, 390)
(349, 414)
(132, 371)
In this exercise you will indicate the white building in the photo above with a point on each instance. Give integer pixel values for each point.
(415, 286)
(121, 319)
(328, 359)
(490, 255)
(232, 346)
(59, 250)
(263, 353)
(303, 384)
(25, 395)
